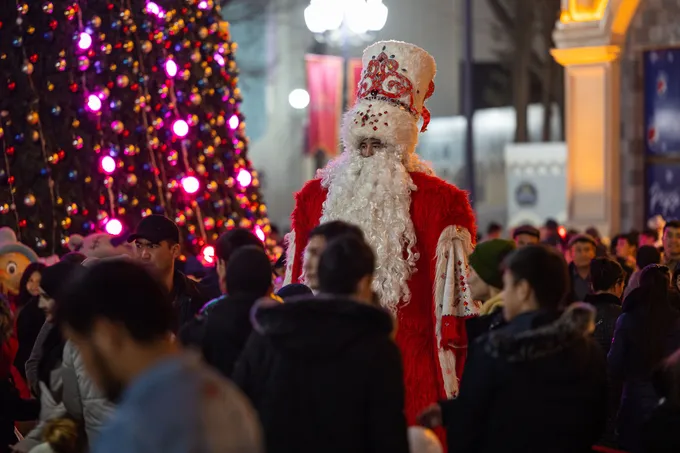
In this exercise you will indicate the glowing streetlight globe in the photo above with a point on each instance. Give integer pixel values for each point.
(299, 99)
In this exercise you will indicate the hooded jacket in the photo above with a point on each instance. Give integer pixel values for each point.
(324, 374)
(536, 384)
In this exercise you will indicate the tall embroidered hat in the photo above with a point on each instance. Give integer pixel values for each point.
(396, 80)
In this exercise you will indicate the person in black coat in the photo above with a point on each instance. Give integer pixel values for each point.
(223, 328)
(323, 372)
(660, 433)
(539, 383)
(608, 279)
(30, 318)
(646, 333)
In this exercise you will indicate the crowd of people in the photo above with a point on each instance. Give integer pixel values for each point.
(127, 354)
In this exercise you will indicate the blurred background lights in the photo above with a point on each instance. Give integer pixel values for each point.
(84, 41)
(180, 128)
(299, 99)
(94, 103)
(190, 184)
(234, 122)
(108, 165)
(208, 254)
(244, 177)
(114, 227)
(171, 68)
(259, 233)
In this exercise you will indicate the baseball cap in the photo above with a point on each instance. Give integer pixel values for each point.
(156, 228)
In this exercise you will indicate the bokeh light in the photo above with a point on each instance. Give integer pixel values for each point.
(84, 41)
(234, 122)
(244, 178)
(259, 233)
(94, 104)
(190, 184)
(180, 128)
(108, 165)
(114, 227)
(171, 68)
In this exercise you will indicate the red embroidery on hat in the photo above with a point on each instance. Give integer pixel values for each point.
(381, 80)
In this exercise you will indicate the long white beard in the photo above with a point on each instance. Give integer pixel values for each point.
(375, 194)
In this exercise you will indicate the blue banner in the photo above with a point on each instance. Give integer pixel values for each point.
(663, 190)
(662, 101)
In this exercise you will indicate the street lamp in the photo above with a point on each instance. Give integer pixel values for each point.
(359, 16)
(298, 99)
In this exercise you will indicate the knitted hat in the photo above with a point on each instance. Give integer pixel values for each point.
(487, 259)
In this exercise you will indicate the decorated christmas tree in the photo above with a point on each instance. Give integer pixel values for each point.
(111, 111)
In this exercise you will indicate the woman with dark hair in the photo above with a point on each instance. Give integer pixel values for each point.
(538, 383)
(49, 371)
(30, 318)
(660, 433)
(646, 333)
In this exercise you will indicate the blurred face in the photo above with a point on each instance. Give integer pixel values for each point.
(369, 146)
(582, 253)
(33, 284)
(478, 289)
(671, 242)
(46, 304)
(158, 258)
(310, 264)
(100, 349)
(624, 249)
(518, 297)
(522, 240)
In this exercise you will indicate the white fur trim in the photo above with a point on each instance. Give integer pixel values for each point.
(289, 239)
(397, 127)
(451, 291)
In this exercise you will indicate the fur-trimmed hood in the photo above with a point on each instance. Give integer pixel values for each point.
(516, 344)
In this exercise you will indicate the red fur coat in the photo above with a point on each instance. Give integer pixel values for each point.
(435, 205)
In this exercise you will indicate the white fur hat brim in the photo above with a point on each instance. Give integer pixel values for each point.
(379, 119)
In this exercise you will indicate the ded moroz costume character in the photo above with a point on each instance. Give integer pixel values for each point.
(420, 227)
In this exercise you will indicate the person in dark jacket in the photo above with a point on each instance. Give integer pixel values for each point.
(646, 333)
(539, 383)
(608, 279)
(324, 372)
(645, 256)
(157, 246)
(30, 318)
(660, 433)
(222, 331)
(582, 248)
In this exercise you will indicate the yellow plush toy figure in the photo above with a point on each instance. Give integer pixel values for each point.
(14, 258)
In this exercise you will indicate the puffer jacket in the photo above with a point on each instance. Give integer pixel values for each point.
(82, 399)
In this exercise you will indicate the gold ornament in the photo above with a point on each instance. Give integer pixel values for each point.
(200, 169)
(29, 200)
(27, 68)
(211, 186)
(75, 124)
(147, 46)
(129, 46)
(96, 21)
(202, 32)
(209, 151)
(2, 132)
(122, 81)
(107, 48)
(32, 118)
(66, 223)
(209, 223)
(131, 179)
(208, 72)
(35, 136)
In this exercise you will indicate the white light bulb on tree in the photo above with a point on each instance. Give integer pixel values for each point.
(377, 15)
(299, 99)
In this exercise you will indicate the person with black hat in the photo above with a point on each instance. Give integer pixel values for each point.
(525, 235)
(157, 246)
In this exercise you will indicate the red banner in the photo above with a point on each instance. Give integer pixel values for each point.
(353, 79)
(324, 84)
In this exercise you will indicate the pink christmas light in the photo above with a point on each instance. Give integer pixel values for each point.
(84, 41)
(234, 122)
(107, 164)
(180, 128)
(208, 254)
(202, 4)
(114, 227)
(259, 233)
(244, 178)
(94, 104)
(190, 184)
(171, 68)
(219, 59)
(153, 8)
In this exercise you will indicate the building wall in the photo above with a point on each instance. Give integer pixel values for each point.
(654, 26)
(277, 46)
